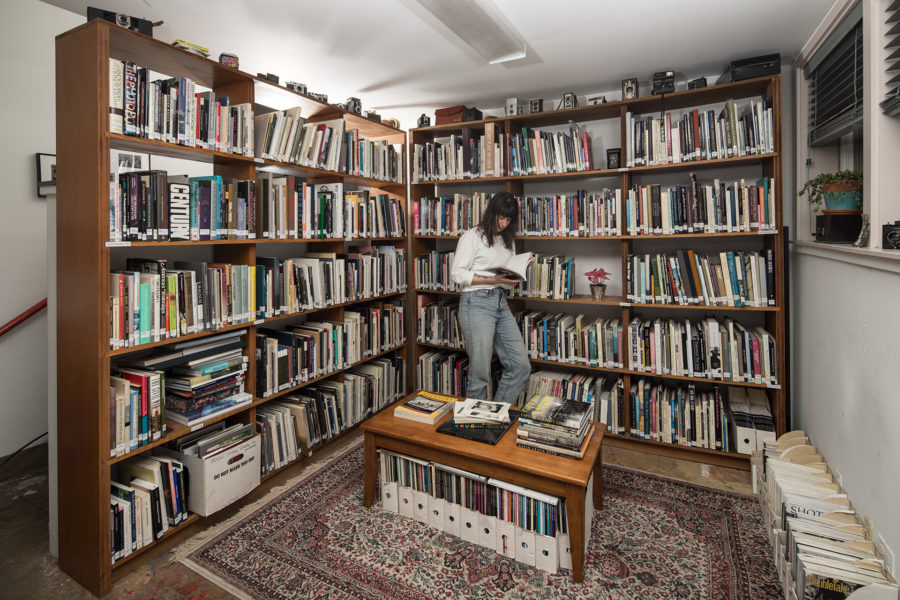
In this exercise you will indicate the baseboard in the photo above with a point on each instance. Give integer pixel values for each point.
(28, 459)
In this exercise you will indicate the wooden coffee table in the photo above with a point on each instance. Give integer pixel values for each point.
(556, 475)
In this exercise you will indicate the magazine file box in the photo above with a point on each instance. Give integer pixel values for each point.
(217, 481)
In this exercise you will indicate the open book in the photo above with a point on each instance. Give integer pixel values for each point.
(514, 267)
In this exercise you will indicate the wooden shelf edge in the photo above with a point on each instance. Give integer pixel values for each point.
(702, 455)
(255, 241)
(609, 238)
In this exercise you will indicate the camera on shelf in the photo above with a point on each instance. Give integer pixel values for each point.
(133, 23)
(663, 82)
(270, 77)
(354, 105)
(323, 98)
(424, 121)
(297, 87)
(890, 236)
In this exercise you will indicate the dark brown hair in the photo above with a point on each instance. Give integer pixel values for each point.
(503, 204)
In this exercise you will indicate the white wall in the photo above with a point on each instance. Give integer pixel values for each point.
(27, 99)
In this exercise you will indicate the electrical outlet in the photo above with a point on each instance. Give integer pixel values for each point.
(886, 553)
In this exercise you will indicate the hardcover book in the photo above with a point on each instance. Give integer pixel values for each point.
(425, 407)
(570, 414)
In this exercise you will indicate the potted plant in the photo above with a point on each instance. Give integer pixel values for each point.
(598, 278)
(839, 191)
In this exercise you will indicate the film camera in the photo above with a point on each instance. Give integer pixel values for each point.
(663, 82)
(297, 87)
(890, 236)
(135, 24)
(354, 105)
(424, 121)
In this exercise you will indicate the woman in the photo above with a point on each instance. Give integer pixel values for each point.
(484, 315)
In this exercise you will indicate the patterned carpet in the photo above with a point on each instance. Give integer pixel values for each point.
(654, 539)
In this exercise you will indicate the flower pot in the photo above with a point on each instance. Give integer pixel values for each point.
(598, 291)
(842, 195)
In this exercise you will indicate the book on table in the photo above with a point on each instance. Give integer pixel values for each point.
(558, 412)
(515, 267)
(473, 410)
(425, 407)
(486, 433)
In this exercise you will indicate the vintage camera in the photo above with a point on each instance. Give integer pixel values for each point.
(629, 88)
(354, 105)
(695, 84)
(570, 100)
(663, 82)
(270, 77)
(323, 98)
(135, 24)
(890, 236)
(536, 105)
(424, 121)
(597, 100)
(297, 87)
(372, 116)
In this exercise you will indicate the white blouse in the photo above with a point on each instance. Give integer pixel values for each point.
(473, 256)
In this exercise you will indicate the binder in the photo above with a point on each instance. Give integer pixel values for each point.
(487, 531)
(405, 496)
(546, 553)
(436, 513)
(389, 496)
(452, 519)
(420, 505)
(468, 526)
(506, 539)
(525, 546)
(564, 546)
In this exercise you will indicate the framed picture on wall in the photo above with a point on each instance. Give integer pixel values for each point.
(46, 174)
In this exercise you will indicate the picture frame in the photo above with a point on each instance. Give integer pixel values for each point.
(536, 105)
(121, 161)
(630, 88)
(45, 165)
(613, 158)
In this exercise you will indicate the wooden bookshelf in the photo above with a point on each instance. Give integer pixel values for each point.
(85, 255)
(614, 116)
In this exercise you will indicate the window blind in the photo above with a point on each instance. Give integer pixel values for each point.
(891, 103)
(836, 89)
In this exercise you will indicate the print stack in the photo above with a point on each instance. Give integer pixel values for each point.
(556, 426)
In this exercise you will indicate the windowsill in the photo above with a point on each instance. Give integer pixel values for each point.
(873, 258)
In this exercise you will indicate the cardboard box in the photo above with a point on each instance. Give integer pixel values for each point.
(217, 481)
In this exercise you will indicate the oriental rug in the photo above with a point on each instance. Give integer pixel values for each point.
(655, 538)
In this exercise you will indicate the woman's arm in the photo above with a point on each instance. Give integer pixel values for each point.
(464, 257)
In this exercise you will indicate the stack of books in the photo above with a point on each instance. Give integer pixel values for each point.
(555, 426)
(425, 407)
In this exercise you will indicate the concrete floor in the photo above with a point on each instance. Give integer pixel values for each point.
(28, 571)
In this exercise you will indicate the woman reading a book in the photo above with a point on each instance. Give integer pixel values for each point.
(484, 316)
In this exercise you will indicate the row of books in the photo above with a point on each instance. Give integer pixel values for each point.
(522, 524)
(822, 547)
(287, 358)
(715, 207)
(700, 134)
(176, 110)
(719, 349)
(733, 278)
(292, 426)
(682, 415)
(156, 206)
(556, 425)
(285, 136)
(434, 271)
(137, 411)
(148, 495)
(573, 339)
(150, 302)
(438, 323)
(443, 372)
(530, 152)
(548, 276)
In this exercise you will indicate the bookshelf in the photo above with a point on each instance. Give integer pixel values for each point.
(86, 256)
(608, 126)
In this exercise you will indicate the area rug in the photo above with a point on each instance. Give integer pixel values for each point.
(655, 538)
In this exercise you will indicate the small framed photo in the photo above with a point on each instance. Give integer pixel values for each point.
(536, 105)
(511, 107)
(124, 162)
(46, 174)
(613, 156)
(629, 88)
(597, 100)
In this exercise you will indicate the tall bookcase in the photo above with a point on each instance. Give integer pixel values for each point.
(85, 258)
(608, 126)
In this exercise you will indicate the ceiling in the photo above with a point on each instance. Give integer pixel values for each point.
(386, 53)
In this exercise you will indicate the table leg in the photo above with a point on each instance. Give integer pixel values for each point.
(598, 482)
(370, 470)
(575, 513)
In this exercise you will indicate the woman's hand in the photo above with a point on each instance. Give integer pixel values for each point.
(494, 280)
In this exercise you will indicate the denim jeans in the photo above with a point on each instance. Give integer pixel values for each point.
(488, 325)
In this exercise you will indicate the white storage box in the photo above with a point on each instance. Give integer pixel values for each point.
(219, 480)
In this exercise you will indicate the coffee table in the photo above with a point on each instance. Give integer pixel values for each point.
(547, 473)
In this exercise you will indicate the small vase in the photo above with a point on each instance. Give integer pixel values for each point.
(598, 291)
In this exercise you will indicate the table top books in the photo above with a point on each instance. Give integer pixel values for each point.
(556, 426)
(475, 411)
(425, 407)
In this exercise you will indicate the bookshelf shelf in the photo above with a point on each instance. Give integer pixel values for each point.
(610, 122)
(85, 258)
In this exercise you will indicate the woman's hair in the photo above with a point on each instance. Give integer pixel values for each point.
(503, 204)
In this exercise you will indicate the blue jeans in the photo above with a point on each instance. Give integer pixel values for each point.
(488, 325)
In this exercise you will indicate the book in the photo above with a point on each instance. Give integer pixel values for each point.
(557, 450)
(487, 434)
(473, 410)
(569, 414)
(515, 267)
(425, 407)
